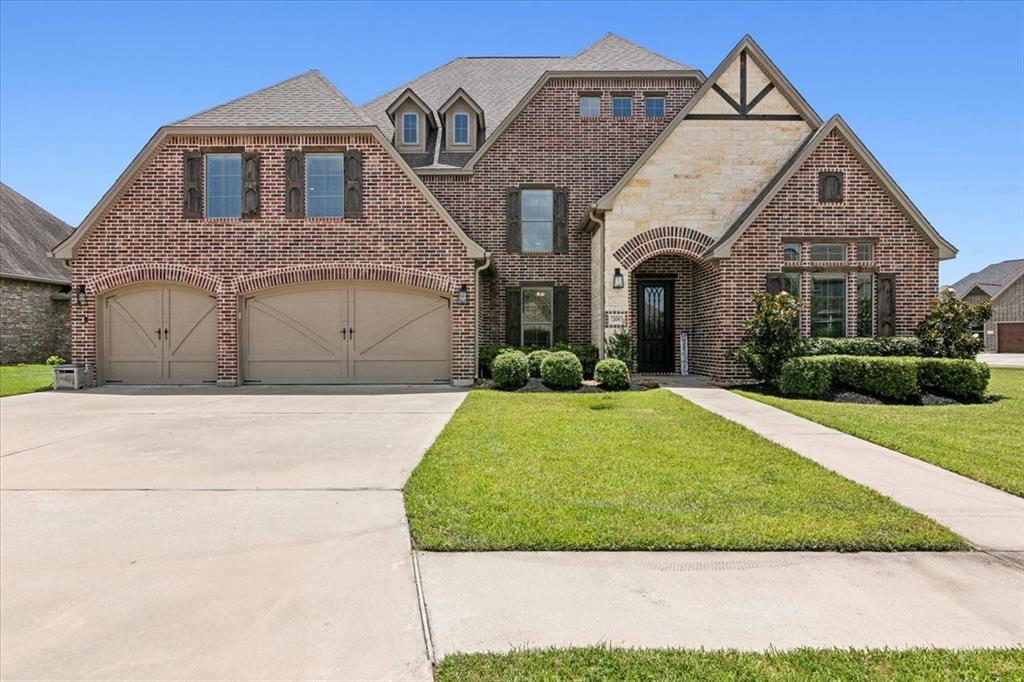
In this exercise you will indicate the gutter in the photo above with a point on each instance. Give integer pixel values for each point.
(476, 312)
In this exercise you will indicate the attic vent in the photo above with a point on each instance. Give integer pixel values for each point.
(830, 187)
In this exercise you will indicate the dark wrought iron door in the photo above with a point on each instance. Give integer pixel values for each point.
(655, 325)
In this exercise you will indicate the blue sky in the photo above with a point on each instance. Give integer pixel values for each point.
(936, 91)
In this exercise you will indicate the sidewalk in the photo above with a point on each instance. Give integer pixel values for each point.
(989, 519)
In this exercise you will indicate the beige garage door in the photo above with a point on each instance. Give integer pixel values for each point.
(345, 332)
(159, 334)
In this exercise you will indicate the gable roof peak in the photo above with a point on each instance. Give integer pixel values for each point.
(612, 52)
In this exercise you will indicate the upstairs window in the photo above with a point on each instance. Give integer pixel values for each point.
(460, 129)
(590, 106)
(830, 188)
(537, 316)
(832, 253)
(865, 252)
(791, 252)
(622, 107)
(537, 220)
(410, 128)
(223, 186)
(654, 106)
(325, 182)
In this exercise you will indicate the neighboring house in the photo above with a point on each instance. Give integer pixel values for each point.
(290, 237)
(33, 287)
(1003, 284)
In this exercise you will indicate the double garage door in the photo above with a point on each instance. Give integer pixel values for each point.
(325, 333)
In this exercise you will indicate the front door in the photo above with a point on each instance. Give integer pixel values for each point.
(655, 324)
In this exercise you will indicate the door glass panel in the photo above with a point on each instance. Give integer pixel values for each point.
(654, 313)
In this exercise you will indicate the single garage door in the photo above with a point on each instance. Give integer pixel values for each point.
(1011, 337)
(159, 334)
(344, 332)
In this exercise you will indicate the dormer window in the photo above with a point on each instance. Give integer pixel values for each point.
(410, 128)
(460, 129)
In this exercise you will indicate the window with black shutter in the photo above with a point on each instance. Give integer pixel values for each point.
(250, 185)
(192, 185)
(294, 185)
(353, 184)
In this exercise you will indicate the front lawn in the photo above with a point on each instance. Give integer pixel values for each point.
(639, 470)
(18, 379)
(598, 663)
(982, 441)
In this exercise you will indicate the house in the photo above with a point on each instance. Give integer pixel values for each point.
(1003, 285)
(33, 287)
(289, 236)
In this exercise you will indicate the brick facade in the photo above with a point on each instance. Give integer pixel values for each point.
(548, 142)
(400, 238)
(33, 326)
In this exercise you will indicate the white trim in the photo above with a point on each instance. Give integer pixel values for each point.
(405, 129)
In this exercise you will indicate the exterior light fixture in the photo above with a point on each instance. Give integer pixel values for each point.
(79, 293)
(618, 281)
(463, 294)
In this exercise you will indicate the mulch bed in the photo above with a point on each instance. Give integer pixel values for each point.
(535, 385)
(863, 399)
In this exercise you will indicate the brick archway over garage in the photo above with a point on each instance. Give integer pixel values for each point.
(153, 272)
(386, 274)
(683, 241)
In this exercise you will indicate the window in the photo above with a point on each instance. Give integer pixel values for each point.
(791, 252)
(654, 107)
(590, 106)
(830, 187)
(537, 219)
(828, 305)
(865, 304)
(622, 107)
(791, 284)
(537, 316)
(223, 186)
(460, 129)
(325, 184)
(865, 251)
(410, 128)
(834, 253)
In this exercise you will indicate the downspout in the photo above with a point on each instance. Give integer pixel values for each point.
(597, 219)
(476, 313)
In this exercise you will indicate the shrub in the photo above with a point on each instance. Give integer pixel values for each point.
(588, 355)
(771, 336)
(620, 347)
(56, 360)
(536, 358)
(863, 345)
(562, 369)
(510, 370)
(946, 331)
(890, 377)
(613, 374)
(961, 379)
(806, 377)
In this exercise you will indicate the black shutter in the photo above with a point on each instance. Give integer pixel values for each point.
(886, 304)
(251, 185)
(294, 185)
(774, 282)
(513, 222)
(192, 185)
(354, 184)
(560, 218)
(560, 326)
(513, 317)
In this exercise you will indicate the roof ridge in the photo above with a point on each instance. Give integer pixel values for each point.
(248, 94)
(340, 95)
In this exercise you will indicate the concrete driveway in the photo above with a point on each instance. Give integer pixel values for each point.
(255, 533)
(1002, 359)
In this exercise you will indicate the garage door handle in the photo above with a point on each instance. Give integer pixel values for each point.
(158, 333)
(351, 332)
(167, 334)
(343, 334)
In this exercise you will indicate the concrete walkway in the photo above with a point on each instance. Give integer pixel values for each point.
(989, 519)
(1002, 359)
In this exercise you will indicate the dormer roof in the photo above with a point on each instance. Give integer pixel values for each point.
(461, 94)
(410, 95)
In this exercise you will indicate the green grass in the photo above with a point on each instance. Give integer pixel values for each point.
(640, 470)
(850, 665)
(982, 441)
(18, 379)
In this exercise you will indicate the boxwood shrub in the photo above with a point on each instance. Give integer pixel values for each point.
(807, 377)
(894, 378)
(561, 369)
(536, 358)
(510, 370)
(587, 354)
(864, 345)
(961, 379)
(612, 374)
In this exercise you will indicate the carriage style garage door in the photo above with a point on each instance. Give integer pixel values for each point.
(346, 332)
(159, 334)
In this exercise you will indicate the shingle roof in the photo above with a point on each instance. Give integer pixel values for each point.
(614, 53)
(308, 99)
(989, 279)
(27, 233)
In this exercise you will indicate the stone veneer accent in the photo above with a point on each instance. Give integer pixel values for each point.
(33, 326)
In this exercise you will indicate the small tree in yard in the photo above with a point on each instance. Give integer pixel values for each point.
(620, 347)
(771, 336)
(946, 331)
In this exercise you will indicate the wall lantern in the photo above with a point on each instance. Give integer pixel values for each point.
(463, 295)
(618, 281)
(79, 293)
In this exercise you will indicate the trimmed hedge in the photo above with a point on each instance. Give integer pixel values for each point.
(587, 354)
(510, 370)
(894, 378)
(562, 369)
(882, 346)
(612, 374)
(536, 358)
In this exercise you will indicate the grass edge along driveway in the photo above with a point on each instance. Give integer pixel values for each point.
(601, 663)
(982, 442)
(19, 379)
(637, 471)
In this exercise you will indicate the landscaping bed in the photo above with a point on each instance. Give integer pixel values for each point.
(18, 379)
(601, 663)
(637, 470)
